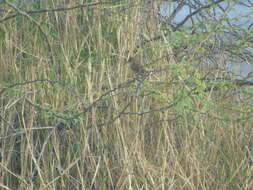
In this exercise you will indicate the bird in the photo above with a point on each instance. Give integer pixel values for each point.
(136, 67)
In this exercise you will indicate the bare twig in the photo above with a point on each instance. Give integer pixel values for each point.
(196, 12)
(86, 5)
(2, 89)
(177, 27)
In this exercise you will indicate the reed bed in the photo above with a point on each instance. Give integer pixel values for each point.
(74, 115)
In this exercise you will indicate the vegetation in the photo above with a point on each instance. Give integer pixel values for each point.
(74, 115)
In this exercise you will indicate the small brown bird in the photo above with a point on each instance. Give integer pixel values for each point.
(136, 67)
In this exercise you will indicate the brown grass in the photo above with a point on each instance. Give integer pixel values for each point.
(78, 123)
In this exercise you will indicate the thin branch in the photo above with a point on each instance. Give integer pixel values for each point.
(196, 12)
(60, 9)
(176, 11)
(2, 89)
(177, 27)
(161, 108)
(117, 116)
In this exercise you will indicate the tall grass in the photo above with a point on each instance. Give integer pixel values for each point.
(84, 120)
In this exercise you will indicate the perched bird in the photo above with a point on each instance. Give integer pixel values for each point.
(136, 67)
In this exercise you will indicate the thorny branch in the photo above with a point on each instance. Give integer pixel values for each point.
(86, 5)
(179, 25)
(120, 86)
(196, 12)
(88, 108)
